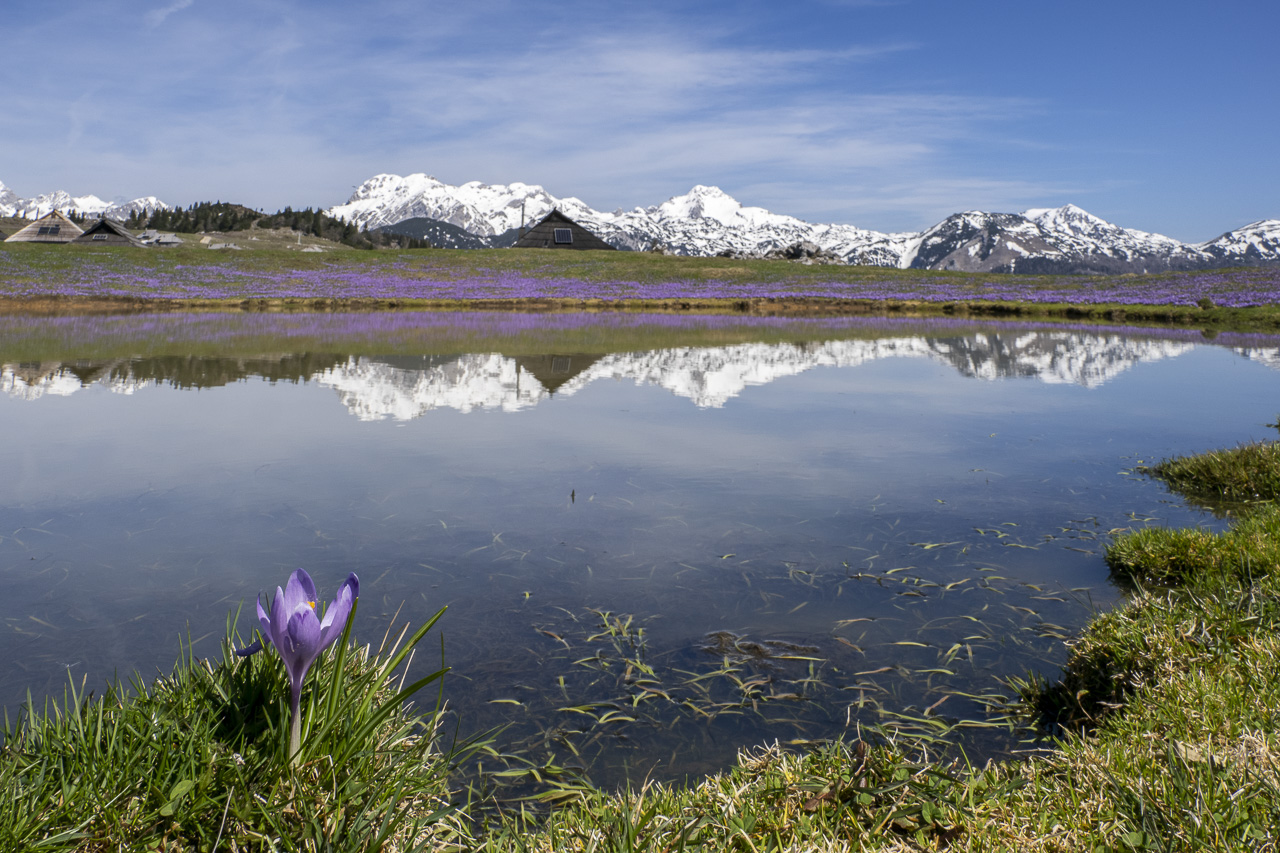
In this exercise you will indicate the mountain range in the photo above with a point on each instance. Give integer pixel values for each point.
(707, 221)
(407, 387)
(85, 205)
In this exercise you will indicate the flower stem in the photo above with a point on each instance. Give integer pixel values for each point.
(295, 724)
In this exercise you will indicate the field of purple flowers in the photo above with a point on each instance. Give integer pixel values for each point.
(189, 274)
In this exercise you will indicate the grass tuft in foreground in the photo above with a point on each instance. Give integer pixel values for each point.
(197, 761)
(837, 795)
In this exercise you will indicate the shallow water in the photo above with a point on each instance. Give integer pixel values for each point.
(653, 556)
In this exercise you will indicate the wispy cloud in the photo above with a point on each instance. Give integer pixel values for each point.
(156, 17)
(837, 110)
(618, 121)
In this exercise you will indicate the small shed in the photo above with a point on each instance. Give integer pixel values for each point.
(152, 237)
(108, 232)
(557, 231)
(53, 227)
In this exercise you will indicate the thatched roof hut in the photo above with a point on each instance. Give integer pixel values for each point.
(53, 227)
(108, 232)
(557, 231)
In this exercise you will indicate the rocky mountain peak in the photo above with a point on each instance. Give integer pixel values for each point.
(708, 221)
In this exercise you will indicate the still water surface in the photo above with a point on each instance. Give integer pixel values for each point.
(651, 556)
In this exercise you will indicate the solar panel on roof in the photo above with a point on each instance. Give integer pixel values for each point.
(564, 235)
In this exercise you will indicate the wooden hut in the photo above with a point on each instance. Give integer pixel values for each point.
(53, 227)
(108, 232)
(557, 231)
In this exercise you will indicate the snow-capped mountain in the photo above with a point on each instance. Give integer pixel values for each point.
(1057, 240)
(704, 221)
(408, 387)
(33, 381)
(1256, 243)
(707, 221)
(709, 377)
(485, 210)
(373, 389)
(86, 205)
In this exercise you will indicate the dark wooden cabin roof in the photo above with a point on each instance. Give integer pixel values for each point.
(53, 227)
(557, 231)
(108, 232)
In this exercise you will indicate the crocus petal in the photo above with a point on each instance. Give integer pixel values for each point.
(251, 649)
(279, 620)
(264, 619)
(335, 615)
(301, 644)
(299, 590)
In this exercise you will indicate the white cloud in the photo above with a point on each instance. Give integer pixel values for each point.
(156, 17)
(296, 109)
(284, 102)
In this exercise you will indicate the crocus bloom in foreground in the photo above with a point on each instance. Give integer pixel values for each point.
(300, 636)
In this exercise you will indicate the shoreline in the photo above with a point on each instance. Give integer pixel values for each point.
(1259, 317)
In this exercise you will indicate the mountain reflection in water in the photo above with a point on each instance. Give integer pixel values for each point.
(758, 530)
(406, 387)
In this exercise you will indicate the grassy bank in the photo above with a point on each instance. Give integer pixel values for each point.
(239, 337)
(61, 278)
(1168, 711)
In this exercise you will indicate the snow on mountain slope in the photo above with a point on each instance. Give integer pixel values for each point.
(711, 376)
(405, 388)
(483, 209)
(1258, 242)
(707, 221)
(8, 200)
(86, 205)
(703, 221)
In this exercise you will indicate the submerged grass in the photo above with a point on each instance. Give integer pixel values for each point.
(1168, 714)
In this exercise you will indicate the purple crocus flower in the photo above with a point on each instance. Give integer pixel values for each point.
(300, 636)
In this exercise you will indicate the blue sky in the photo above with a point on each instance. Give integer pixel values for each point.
(887, 115)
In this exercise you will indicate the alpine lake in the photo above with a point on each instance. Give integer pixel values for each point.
(661, 539)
